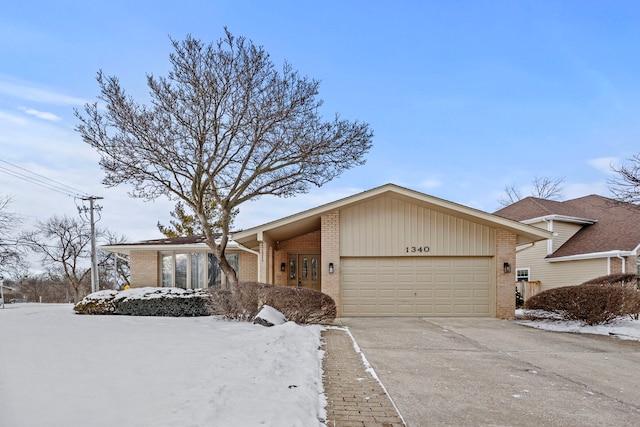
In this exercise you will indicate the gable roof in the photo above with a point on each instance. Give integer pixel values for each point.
(608, 225)
(309, 220)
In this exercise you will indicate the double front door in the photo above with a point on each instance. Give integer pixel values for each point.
(304, 271)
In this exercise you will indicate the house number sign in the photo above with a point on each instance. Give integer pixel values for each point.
(416, 249)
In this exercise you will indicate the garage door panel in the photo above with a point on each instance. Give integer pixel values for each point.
(418, 286)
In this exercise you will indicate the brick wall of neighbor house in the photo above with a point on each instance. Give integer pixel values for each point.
(306, 244)
(330, 242)
(505, 286)
(144, 268)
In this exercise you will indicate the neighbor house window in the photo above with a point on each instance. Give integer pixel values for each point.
(193, 270)
(523, 275)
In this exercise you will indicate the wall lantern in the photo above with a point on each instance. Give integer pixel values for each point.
(507, 267)
(330, 268)
(283, 266)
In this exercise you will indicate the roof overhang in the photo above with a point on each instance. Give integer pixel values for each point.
(592, 255)
(126, 249)
(563, 218)
(309, 220)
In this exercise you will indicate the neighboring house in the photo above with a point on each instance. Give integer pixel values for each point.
(592, 236)
(388, 251)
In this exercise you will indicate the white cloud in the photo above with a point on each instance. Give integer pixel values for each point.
(17, 120)
(32, 92)
(603, 164)
(40, 114)
(430, 183)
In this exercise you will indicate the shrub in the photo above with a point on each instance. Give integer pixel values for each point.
(149, 301)
(590, 303)
(620, 279)
(100, 302)
(519, 299)
(300, 305)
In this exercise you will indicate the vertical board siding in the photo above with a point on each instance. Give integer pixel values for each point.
(387, 226)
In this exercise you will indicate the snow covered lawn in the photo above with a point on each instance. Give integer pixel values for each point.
(624, 327)
(58, 368)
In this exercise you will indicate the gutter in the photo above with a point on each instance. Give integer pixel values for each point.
(607, 254)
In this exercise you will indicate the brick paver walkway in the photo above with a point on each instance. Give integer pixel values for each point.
(354, 397)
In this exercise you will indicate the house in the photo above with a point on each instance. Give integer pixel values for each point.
(389, 251)
(592, 236)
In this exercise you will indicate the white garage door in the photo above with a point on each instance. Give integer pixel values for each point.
(425, 286)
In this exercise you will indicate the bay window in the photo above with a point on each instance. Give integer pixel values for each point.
(193, 270)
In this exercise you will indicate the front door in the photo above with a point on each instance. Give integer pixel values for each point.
(304, 271)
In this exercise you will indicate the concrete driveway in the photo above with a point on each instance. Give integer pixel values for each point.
(490, 372)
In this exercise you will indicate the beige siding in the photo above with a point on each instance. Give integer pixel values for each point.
(387, 226)
(557, 274)
(564, 231)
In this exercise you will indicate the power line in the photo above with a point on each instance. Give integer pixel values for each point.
(42, 181)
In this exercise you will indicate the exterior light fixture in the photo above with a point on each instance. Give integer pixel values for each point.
(330, 268)
(283, 266)
(507, 267)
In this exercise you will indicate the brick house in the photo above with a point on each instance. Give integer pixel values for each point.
(389, 251)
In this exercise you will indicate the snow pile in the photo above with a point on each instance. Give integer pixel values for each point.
(59, 368)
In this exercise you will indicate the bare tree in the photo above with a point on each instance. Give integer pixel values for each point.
(188, 224)
(114, 270)
(543, 188)
(10, 254)
(224, 126)
(64, 245)
(626, 186)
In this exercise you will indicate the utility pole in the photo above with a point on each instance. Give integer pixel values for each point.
(94, 259)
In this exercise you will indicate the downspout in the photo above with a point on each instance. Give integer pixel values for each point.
(624, 267)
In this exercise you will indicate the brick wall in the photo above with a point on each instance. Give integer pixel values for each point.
(505, 286)
(248, 267)
(145, 269)
(330, 253)
(308, 243)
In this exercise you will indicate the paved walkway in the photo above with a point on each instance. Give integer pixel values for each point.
(354, 397)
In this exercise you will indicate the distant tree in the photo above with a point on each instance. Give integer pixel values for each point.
(10, 254)
(64, 245)
(188, 224)
(543, 188)
(626, 186)
(225, 126)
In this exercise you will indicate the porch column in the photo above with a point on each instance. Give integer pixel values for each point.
(330, 254)
(505, 282)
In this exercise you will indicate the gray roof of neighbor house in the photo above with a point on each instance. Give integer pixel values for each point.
(607, 225)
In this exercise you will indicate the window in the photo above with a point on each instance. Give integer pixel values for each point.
(523, 275)
(193, 270)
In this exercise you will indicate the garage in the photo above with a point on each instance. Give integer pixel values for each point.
(391, 251)
(417, 286)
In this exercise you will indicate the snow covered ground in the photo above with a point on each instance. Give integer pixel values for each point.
(58, 368)
(624, 328)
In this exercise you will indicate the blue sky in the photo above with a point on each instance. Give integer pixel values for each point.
(464, 97)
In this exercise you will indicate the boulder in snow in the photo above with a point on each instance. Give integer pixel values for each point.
(269, 316)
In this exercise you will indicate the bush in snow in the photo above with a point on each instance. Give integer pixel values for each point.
(592, 304)
(147, 302)
(100, 302)
(619, 279)
(300, 305)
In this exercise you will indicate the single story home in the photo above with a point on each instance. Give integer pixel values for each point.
(389, 251)
(592, 236)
